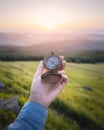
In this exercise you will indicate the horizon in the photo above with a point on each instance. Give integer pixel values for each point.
(69, 37)
(63, 31)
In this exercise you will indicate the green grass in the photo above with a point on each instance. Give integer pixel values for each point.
(75, 108)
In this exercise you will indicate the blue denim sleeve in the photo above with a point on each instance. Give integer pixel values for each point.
(31, 117)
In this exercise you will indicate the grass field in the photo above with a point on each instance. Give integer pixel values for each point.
(76, 108)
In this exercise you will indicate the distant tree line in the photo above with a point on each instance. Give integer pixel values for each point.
(89, 57)
(83, 58)
(15, 57)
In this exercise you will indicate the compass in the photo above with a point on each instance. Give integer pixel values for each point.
(53, 64)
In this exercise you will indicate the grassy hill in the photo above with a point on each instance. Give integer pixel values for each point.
(80, 105)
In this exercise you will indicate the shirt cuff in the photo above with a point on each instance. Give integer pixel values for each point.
(33, 112)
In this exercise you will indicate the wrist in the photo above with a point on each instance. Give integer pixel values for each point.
(42, 103)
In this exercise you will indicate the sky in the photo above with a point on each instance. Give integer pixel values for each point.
(51, 14)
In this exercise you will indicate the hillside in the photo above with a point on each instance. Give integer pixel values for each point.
(69, 44)
(80, 105)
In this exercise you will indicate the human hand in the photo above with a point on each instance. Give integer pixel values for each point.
(45, 93)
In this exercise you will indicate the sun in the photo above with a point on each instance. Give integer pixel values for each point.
(49, 25)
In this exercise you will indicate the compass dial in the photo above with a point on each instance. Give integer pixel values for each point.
(52, 62)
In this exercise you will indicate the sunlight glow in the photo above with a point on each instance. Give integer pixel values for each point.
(49, 25)
(51, 15)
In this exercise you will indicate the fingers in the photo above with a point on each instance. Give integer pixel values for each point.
(39, 69)
(64, 80)
(62, 57)
(61, 72)
(63, 63)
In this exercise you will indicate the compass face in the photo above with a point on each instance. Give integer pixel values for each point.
(52, 62)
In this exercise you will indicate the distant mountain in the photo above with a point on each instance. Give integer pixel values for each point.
(43, 43)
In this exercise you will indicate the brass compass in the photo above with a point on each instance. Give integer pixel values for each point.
(53, 64)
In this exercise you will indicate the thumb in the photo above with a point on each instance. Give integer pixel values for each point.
(39, 69)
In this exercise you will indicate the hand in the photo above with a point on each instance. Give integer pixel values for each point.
(45, 93)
